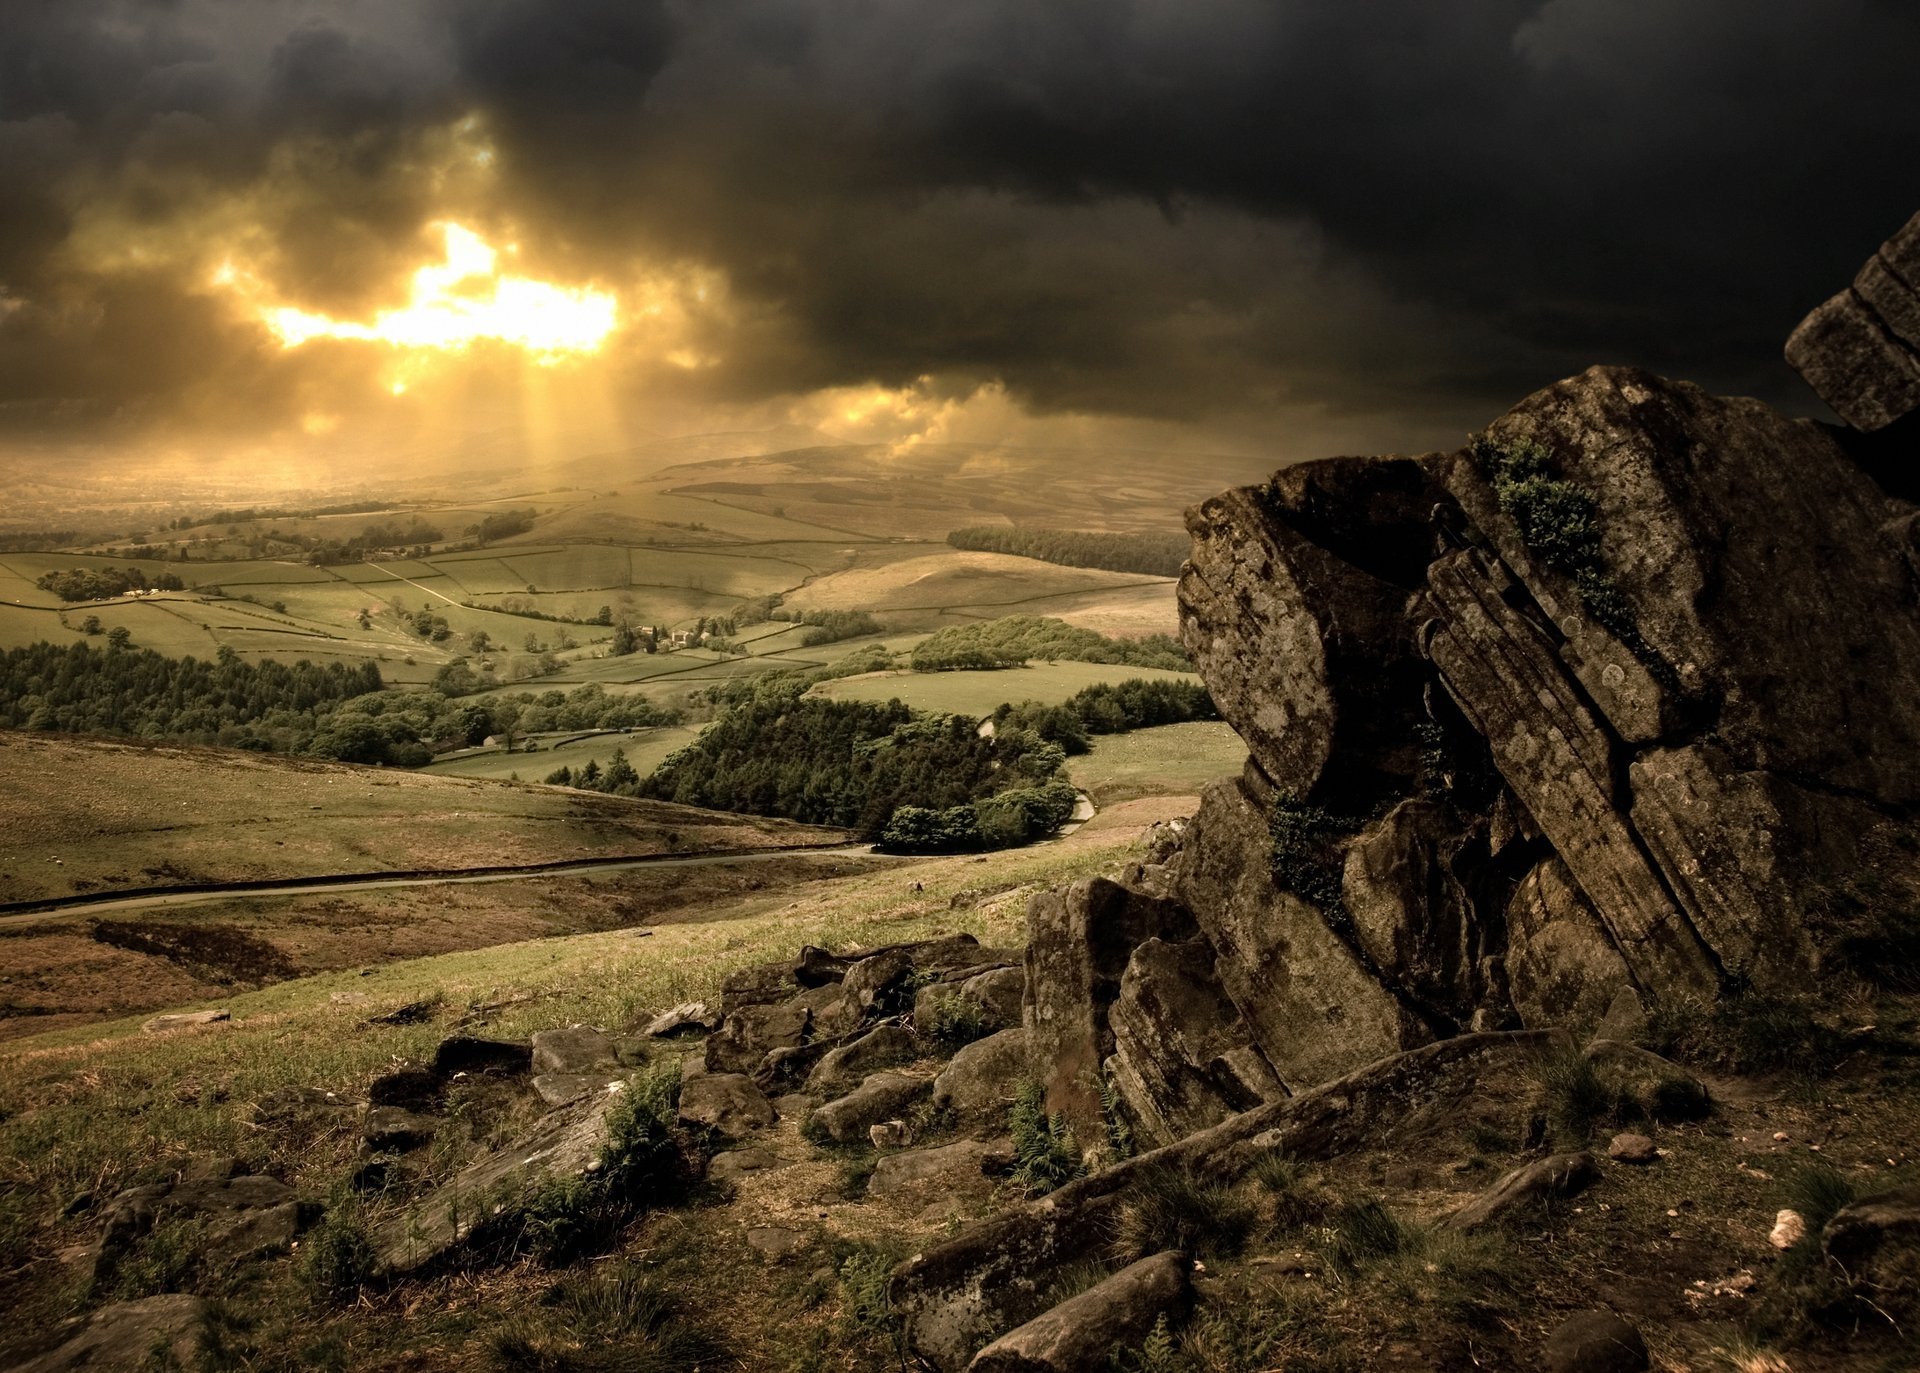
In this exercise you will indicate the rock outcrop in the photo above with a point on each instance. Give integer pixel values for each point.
(1861, 349)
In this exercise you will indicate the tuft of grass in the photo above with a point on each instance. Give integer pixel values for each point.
(952, 1021)
(336, 1259)
(1166, 1208)
(1578, 1097)
(1748, 1032)
(623, 1321)
(166, 1259)
(1295, 1197)
(1044, 1154)
(1360, 1231)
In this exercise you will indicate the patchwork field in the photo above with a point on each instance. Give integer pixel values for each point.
(644, 749)
(86, 816)
(1170, 760)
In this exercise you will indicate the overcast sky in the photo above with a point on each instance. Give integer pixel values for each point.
(1274, 225)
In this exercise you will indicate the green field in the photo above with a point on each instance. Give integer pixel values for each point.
(977, 693)
(644, 749)
(1170, 760)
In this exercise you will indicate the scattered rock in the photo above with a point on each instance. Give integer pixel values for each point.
(776, 1242)
(689, 1017)
(1595, 1342)
(580, 1049)
(727, 1102)
(735, 1162)
(563, 1089)
(881, 1097)
(888, 1134)
(412, 1013)
(761, 985)
(977, 1086)
(128, 1336)
(1632, 1148)
(1547, 1179)
(411, 1088)
(396, 1130)
(958, 1168)
(177, 1020)
(1789, 1228)
(747, 1034)
(231, 1201)
(878, 1048)
(473, 1054)
(1080, 1334)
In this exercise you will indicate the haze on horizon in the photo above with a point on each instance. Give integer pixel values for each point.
(357, 238)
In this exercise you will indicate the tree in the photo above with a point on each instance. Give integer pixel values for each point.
(119, 637)
(623, 640)
(480, 640)
(620, 774)
(589, 776)
(561, 776)
(91, 625)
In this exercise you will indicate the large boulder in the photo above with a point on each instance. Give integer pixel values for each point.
(128, 1336)
(1080, 1334)
(845, 1066)
(846, 1120)
(1407, 886)
(1561, 967)
(948, 1170)
(1876, 1242)
(728, 1103)
(1311, 1006)
(1079, 939)
(1860, 350)
(978, 1085)
(749, 1032)
(1182, 1059)
(1292, 607)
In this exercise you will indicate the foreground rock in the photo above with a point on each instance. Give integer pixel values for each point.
(246, 1216)
(1528, 1187)
(1861, 349)
(727, 1102)
(1080, 1335)
(563, 1146)
(977, 1086)
(129, 1336)
(957, 1170)
(1876, 1243)
(178, 1020)
(880, 1098)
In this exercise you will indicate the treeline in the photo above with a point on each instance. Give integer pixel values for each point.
(104, 583)
(829, 626)
(1154, 554)
(249, 514)
(1108, 708)
(416, 536)
(76, 688)
(503, 525)
(859, 764)
(1018, 639)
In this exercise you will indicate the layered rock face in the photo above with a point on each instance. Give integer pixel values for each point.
(1617, 706)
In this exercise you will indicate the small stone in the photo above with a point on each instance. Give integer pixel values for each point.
(581, 1049)
(1780, 1136)
(776, 1242)
(1595, 1342)
(888, 1134)
(160, 1024)
(395, 1130)
(689, 1017)
(1632, 1148)
(734, 1162)
(563, 1089)
(1789, 1228)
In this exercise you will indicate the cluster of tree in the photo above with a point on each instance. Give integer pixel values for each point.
(627, 639)
(1157, 554)
(530, 610)
(34, 540)
(103, 583)
(855, 764)
(268, 706)
(1017, 639)
(587, 707)
(416, 538)
(428, 625)
(618, 778)
(251, 513)
(503, 525)
(829, 626)
(1108, 708)
(1010, 817)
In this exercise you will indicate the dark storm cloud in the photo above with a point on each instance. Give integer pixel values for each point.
(1164, 207)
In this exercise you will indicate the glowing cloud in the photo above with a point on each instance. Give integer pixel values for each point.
(466, 300)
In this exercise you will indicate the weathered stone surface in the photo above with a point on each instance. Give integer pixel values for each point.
(760, 985)
(1172, 1028)
(958, 1295)
(1724, 529)
(787, 1069)
(1080, 1334)
(727, 1102)
(1310, 1005)
(776, 1242)
(736, 1162)
(1405, 889)
(1595, 1342)
(1501, 669)
(563, 1145)
(746, 1035)
(395, 1130)
(1291, 605)
(472, 1054)
(1561, 967)
(881, 1047)
(689, 1017)
(124, 1337)
(579, 1049)
(816, 966)
(1078, 942)
(1858, 350)
(883, 1096)
(959, 1168)
(563, 1089)
(1561, 1175)
(214, 1189)
(1632, 1148)
(995, 994)
(977, 1086)
(178, 1020)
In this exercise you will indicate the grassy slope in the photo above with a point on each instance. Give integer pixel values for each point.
(89, 815)
(1174, 759)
